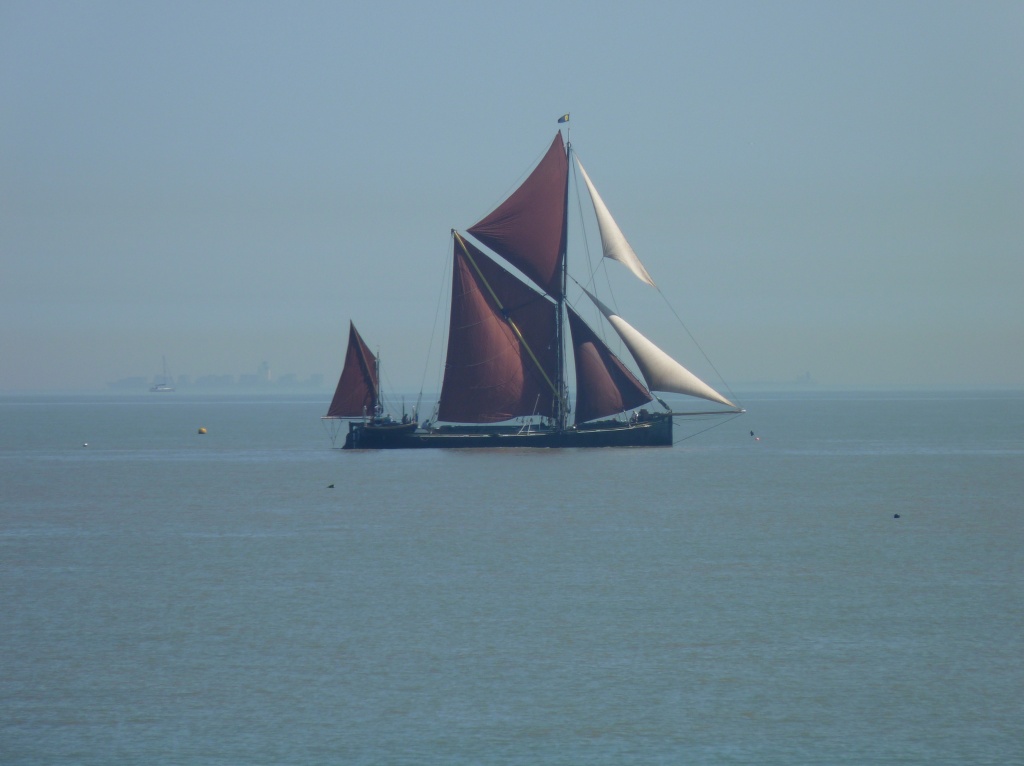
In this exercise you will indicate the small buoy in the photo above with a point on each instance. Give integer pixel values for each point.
(330, 486)
(895, 515)
(202, 430)
(86, 444)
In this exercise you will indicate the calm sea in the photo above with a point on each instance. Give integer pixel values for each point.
(174, 598)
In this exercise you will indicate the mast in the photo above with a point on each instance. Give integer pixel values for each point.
(378, 406)
(563, 390)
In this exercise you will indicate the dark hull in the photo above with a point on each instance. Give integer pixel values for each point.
(653, 431)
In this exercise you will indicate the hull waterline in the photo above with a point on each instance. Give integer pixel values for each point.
(653, 431)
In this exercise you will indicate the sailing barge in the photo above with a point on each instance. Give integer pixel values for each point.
(505, 375)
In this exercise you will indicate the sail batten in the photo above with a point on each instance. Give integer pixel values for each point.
(613, 242)
(661, 371)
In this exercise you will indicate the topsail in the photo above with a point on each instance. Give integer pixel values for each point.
(528, 228)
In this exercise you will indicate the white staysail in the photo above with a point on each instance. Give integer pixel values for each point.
(662, 372)
(613, 242)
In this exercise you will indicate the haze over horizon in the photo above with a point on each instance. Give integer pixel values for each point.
(832, 188)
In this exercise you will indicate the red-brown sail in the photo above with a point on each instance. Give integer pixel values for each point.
(356, 394)
(604, 385)
(491, 374)
(528, 228)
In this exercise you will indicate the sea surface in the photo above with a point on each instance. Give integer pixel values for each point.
(168, 597)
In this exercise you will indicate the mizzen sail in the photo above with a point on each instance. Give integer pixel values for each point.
(662, 372)
(356, 394)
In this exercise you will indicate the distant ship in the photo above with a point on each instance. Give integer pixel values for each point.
(163, 385)
(505, 376)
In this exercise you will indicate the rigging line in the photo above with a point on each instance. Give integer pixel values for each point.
(695, 343)
(704, 431)
(583, 228)
(591, 268)
(332, 429)
(442, 293)
(388, 401)
(511, 324)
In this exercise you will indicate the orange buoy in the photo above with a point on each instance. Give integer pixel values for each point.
(202, 430)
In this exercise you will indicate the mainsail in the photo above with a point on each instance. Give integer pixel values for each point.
(357, 392)
(502, 351)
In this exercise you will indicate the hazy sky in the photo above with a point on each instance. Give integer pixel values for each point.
(832, 187)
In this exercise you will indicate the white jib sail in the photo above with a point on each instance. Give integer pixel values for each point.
(613, 242)
(662, 372)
